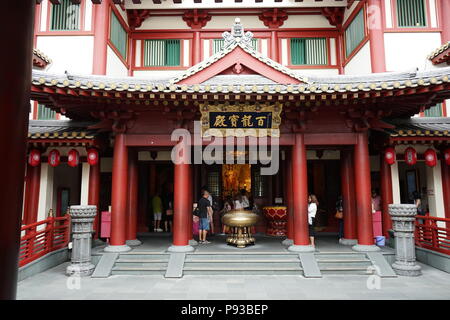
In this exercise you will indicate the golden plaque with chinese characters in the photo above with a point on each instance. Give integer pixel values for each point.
(241, 120)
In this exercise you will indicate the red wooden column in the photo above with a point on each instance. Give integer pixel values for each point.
(182, 207)
(119, 196)
(191, 196)
(376, 36)
(300, 195)
(132, 203)
(348, 198)
(445, 13)
(94, 194)
(101, 27)
(289, 200)
(196, 48)
(445, 171)
(274, 46)
(14, 105)
(32, 189)
(386, 194)
(363, 194)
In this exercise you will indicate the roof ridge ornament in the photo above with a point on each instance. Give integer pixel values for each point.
(237, 35)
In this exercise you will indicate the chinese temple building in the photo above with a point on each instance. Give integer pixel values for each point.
(348, 96)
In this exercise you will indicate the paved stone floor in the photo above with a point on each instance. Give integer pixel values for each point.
(53, 284)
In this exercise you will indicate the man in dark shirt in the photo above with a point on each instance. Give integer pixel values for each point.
(204, 207)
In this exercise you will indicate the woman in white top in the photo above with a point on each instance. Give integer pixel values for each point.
(238, 202)
(244, 200)
(312, 210)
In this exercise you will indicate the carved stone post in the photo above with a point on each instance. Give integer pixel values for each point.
(82, 222)
(403, 218)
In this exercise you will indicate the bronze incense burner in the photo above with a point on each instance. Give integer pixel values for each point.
(240, 221)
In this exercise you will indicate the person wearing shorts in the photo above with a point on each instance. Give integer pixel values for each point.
(157, 212)
(205, 209)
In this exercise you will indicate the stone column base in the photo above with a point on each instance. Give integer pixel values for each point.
(287, 242)
(348, 242)
(299, 248)
(133, 243)
(174, 248)
(413, 270)
(192, 242)
(80, 270)
(365, 248)
(122, 248)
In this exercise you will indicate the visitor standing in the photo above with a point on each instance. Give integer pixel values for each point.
(227, 207)
(376, 201)
(157, 212)
(312, 210)
(168, 223)
(340, 216)
(244, 199)
(204, 210)
(238, 202)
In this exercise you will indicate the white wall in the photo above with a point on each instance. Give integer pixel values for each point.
(409, 50)
(45, 192)
(85, 168)
(360, 63)
(434, 189)
(115, 66)
(71, 53)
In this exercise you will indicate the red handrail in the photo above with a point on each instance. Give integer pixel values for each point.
(433, 233)
(42, 237)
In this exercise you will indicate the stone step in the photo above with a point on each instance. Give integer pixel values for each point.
(259, 256)
(141, 260)
(242, 261)
(139, 268)
(342, 260)
(141, 264)
(230, 268)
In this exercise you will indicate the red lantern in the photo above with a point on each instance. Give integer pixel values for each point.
(34, 158)
(410, 156)
(54, 158)
(430, 157)
(389, 155)
(73, 158)
(92, 156)
(447, 156)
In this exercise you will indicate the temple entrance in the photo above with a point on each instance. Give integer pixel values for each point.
(324, 182)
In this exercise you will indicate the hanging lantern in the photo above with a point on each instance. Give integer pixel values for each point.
(410, 156)
(389, 155)
(92, 156)
(54, 158)
(73, 158)
(34, 158)
(430, 157)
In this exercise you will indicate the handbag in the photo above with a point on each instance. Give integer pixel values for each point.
(169, 212)
(339, 215)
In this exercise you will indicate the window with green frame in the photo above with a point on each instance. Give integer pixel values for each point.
(162, 53)
(309, 51)
(411, 13)
(45, 113)
(435, 111)
(65, 16)
(118, 36)
(355, 33)
(219, 43)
